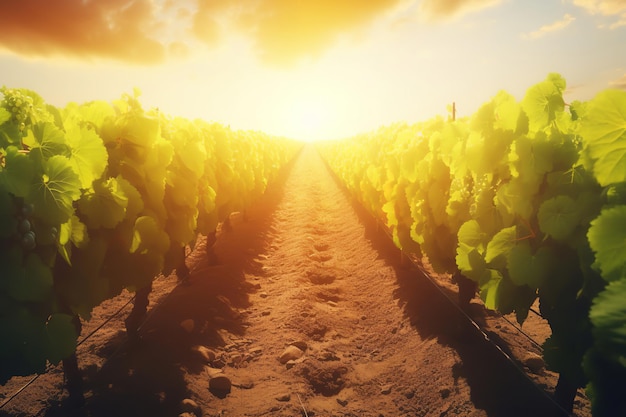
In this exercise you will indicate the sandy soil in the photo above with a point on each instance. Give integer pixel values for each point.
(306, 274)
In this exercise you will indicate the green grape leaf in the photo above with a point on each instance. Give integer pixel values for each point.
(149, 237)
(558, 217)
(471, 234)
(193, 156)
(23, 335)
(183, 191)
(93, 113)
(53, 193)
(18, 173)
(500, 245)
(140, 130)
(47, 140)
(470, 262)
(5, 115)
(607, 238)
(608, 315)
(10, 135)
(507, 111)
(526, 268)
(87, 154)
(61, 338)
(135, 202)
(604, 132)
(490, 288)
(544, 101)
(104, 206)
(8, 222)
(11, 261)
(516, 196)
(31, 282)
(71, 232)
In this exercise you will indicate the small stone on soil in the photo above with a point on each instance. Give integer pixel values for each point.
(290, 353)
(300, 344)
(204, 353)
(385, 389)
(283, 397)
(190, 407)
(220, 385)
(534, 362)
(187, 325)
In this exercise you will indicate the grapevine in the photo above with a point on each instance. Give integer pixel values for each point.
(521, 198)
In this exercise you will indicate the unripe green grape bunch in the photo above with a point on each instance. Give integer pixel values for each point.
(19, 105)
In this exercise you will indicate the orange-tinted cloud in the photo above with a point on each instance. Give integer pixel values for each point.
(552, 27)
(151, 31)
(285, 30)
(442, 9)
(619, 83)
(118, 29)
(605, 7)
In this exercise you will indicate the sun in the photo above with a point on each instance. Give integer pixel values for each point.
(307, 119)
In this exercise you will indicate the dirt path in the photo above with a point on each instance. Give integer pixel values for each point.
(303, 270)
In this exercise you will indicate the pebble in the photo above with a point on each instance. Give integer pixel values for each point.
(263, 295)
(265, 313)
(300, 344)
(247, 384)
(204, 353)
(220, 384)
(385, 389)
(235, 358)
(290, 353)
(283, 397)
(342, 402)
(213, 372)
(190, 407)
(534, 362)
(445, 393)
(187, 325)
(409, 394)
(255, 351)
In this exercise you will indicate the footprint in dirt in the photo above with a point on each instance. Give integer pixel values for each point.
(321, 246)
(320, 276)
(329, 294)
(325, 379)
(321, 257)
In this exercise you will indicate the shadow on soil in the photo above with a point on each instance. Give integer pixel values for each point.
(147, 378)
(496, 385)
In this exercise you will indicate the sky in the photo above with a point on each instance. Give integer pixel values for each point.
(309, 69)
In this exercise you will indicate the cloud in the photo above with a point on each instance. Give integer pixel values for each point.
(442, 9)
(619, 83)
(606, 8)
(118, 29)
(282, 32)
(150, 31)
(552, 27)
(285, 30)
